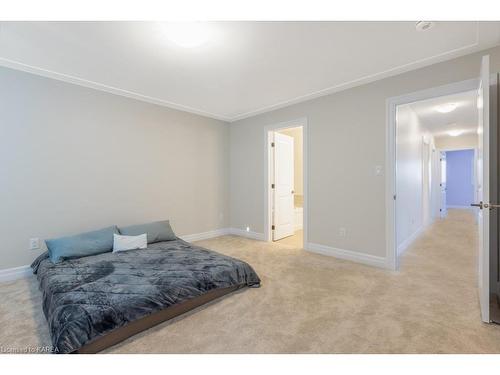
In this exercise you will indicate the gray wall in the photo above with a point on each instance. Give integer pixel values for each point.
(347, 139)
(74, 159)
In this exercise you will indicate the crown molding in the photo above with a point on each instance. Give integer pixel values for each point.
(16, 65)
(444, 56)
(448, 55)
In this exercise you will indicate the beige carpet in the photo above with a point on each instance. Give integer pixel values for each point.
(296, 240)
(313, 304)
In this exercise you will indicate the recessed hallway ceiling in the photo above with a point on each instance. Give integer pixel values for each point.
(464, 118)
(244, 68)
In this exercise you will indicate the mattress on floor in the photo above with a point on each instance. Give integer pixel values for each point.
(87, 298)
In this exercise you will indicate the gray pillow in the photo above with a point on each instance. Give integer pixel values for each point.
(156, 232)
(81, 245)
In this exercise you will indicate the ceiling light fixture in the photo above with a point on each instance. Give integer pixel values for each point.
(424, 25)
(446, 108)
(455, 133)
(187, 34)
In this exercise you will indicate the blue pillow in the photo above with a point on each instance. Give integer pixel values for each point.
(81, 245)
(156, 232)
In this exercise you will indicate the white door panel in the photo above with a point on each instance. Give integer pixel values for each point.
(443, 210)
(483, 188)
(283, 218)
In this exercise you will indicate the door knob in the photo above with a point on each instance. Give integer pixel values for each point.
(482, 205)
(491, 205)
(293, 191)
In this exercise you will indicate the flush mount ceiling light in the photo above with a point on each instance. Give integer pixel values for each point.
(446, 108)
(187, 34)
(455, 133)
(424, 25)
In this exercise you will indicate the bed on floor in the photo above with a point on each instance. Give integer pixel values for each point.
(96, 301)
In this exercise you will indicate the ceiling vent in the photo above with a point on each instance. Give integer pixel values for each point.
(424, 25)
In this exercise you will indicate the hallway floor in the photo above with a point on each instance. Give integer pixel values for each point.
(310, 303)
(296, 240)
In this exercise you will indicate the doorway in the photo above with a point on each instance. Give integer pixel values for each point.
(286, 183)
(423, 130)
(414, 162)
(485, 103)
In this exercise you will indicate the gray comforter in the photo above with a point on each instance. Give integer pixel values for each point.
(88, 297)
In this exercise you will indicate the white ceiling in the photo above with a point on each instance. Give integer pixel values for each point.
(464, 117)
(246, 68)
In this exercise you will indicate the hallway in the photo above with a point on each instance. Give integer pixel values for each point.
(446, 252)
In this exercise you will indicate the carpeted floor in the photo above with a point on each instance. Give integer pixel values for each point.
(313, 304)
(296, 240)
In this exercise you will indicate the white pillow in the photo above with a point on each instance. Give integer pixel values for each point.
(122, 243)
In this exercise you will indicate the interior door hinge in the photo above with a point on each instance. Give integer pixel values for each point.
(272, 144)
(394, 196)
(272, 186)
(272, 227)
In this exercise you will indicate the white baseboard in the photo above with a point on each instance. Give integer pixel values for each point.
(354, 256)
(406, 243)
(244, 233)
(223, 232)
(11, 274)
(205, 235)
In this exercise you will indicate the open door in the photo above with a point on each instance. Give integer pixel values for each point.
(443, 209)
(283, 194)
(483, 194)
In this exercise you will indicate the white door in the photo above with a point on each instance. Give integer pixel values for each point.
(436, 181)
(483, 165)
(443, 210)
(283, 202)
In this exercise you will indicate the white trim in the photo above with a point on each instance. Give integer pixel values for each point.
(102, 87)
(444, 56)
(11, 274)
(205, 235)
(354, 256)
(247, 234)
(390, 185)
(407, 243)
(456, 149)
(300, 122)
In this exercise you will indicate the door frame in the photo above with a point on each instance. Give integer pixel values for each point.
(390, 165)
(268, 168)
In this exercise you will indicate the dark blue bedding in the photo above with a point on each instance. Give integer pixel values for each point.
(85, 298)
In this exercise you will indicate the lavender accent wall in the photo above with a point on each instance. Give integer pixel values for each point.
(459, 178)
